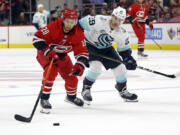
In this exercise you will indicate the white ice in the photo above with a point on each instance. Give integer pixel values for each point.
(156, 113)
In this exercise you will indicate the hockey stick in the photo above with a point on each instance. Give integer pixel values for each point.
(151, 37)
(28, 119)
(146, 69)
(154, 41)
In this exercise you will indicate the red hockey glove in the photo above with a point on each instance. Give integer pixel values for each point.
(50, 54)
(151, 26)
(77, 70)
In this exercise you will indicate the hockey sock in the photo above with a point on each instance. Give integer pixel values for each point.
(87, 82)
(45, 96)
(120, 86)
(140, 49)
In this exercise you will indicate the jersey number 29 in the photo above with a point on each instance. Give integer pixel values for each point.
(91, 20)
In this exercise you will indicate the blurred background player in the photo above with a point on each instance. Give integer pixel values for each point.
(100, 32)
(138, 17)
(56, 41)
(40, 18)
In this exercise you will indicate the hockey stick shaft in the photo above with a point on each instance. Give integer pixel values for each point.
(155, 41)
(146, 69)
(151, 38)
(24, 119)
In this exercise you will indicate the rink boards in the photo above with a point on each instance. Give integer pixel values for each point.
(167, 35)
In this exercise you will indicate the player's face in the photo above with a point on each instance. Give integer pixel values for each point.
(140, 1)
(68, 24)
(115, 22)
(41, 9)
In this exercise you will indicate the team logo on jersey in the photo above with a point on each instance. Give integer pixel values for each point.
(105, 40)
(140, 14)
(61, 48)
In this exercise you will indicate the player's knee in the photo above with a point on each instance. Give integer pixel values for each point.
(120, 73)
(96, 66)
(94, 71)
(71, 83)
(119, 70)
(53, 73)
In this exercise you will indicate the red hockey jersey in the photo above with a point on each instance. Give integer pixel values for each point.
(53, 35)
(138, 12)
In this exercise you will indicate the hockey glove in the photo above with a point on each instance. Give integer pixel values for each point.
(77, 70)
(129, 61)
(50, 53)
(151, 26)
(149, 23)
(80, 65)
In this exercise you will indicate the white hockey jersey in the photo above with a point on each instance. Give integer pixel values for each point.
(41, 18)
(99, 34)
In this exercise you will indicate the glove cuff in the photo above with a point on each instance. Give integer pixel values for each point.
(46, 51)
(81, 64)
(126, 53)
(83, 61)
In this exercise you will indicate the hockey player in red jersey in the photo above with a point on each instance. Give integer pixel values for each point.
(138, 17)
(56, 40)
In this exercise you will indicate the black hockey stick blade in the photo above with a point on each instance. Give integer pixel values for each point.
(171, 76)
(22, 118)
(156, 72)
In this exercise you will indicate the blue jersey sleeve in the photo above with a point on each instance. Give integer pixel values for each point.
(125, 47)
(84, 22)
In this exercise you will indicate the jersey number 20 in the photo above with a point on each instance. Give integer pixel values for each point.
(45, 30)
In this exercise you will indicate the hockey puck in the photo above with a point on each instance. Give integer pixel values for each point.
(56, 124)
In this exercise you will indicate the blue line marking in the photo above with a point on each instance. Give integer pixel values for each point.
(61, 93)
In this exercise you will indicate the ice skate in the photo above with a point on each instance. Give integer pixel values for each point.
(126, 96)
(45, 106)
(74, 100)
(86, 94)
(142, 55)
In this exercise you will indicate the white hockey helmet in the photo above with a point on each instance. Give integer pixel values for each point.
(40, 6)
(120, 13)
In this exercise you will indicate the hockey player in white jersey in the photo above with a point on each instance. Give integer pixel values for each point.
(40, 18)
(100, 32)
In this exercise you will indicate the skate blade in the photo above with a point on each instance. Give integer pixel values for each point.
(45, 111)
(141, 57)
(71, 103)
(127, 100)
(87, 102)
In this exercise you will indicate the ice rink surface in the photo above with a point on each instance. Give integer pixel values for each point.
(156, 113)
